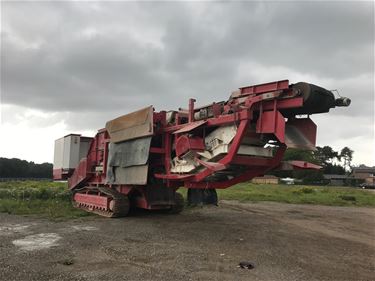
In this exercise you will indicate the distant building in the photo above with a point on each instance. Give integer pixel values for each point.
(336, 179)
(365, 174)
(266, 179)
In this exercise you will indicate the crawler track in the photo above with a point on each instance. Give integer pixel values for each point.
(118, 205)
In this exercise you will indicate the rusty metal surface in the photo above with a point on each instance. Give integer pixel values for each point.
(190, 127)
(130, 126)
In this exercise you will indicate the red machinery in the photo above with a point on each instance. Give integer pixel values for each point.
(142, 158)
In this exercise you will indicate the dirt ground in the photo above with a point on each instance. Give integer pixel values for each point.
(285, 242)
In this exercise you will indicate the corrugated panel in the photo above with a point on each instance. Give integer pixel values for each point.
(130, 126)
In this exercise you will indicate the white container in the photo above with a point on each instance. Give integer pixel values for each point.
(69, 150)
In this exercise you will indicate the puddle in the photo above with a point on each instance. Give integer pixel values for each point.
(13, 228)
(37, 241)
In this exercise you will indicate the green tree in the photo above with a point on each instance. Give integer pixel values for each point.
(16, 168)
(300, 154)
(325, 155)
(308, 176)
(347, 155)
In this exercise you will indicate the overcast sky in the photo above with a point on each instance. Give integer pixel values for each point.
(68, 67)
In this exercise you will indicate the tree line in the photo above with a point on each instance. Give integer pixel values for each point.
(332, 162)
(17, 168)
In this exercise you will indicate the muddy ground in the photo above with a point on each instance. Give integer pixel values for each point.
(285, 242)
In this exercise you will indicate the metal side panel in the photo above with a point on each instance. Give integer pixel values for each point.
(131, 175)
(127, 161)
(129, 153)
(80, 174)
(272, 122)
(84, 147)
(300, 133)
(255, 151)
(58, 155)
(71, 154)
(130, 126)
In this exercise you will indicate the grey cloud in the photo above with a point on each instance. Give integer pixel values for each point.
(95, 59)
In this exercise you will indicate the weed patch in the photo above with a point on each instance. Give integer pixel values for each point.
(48, 199)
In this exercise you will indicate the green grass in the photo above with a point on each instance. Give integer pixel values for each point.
(52, 199)
(43, 198)
(299, 194)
